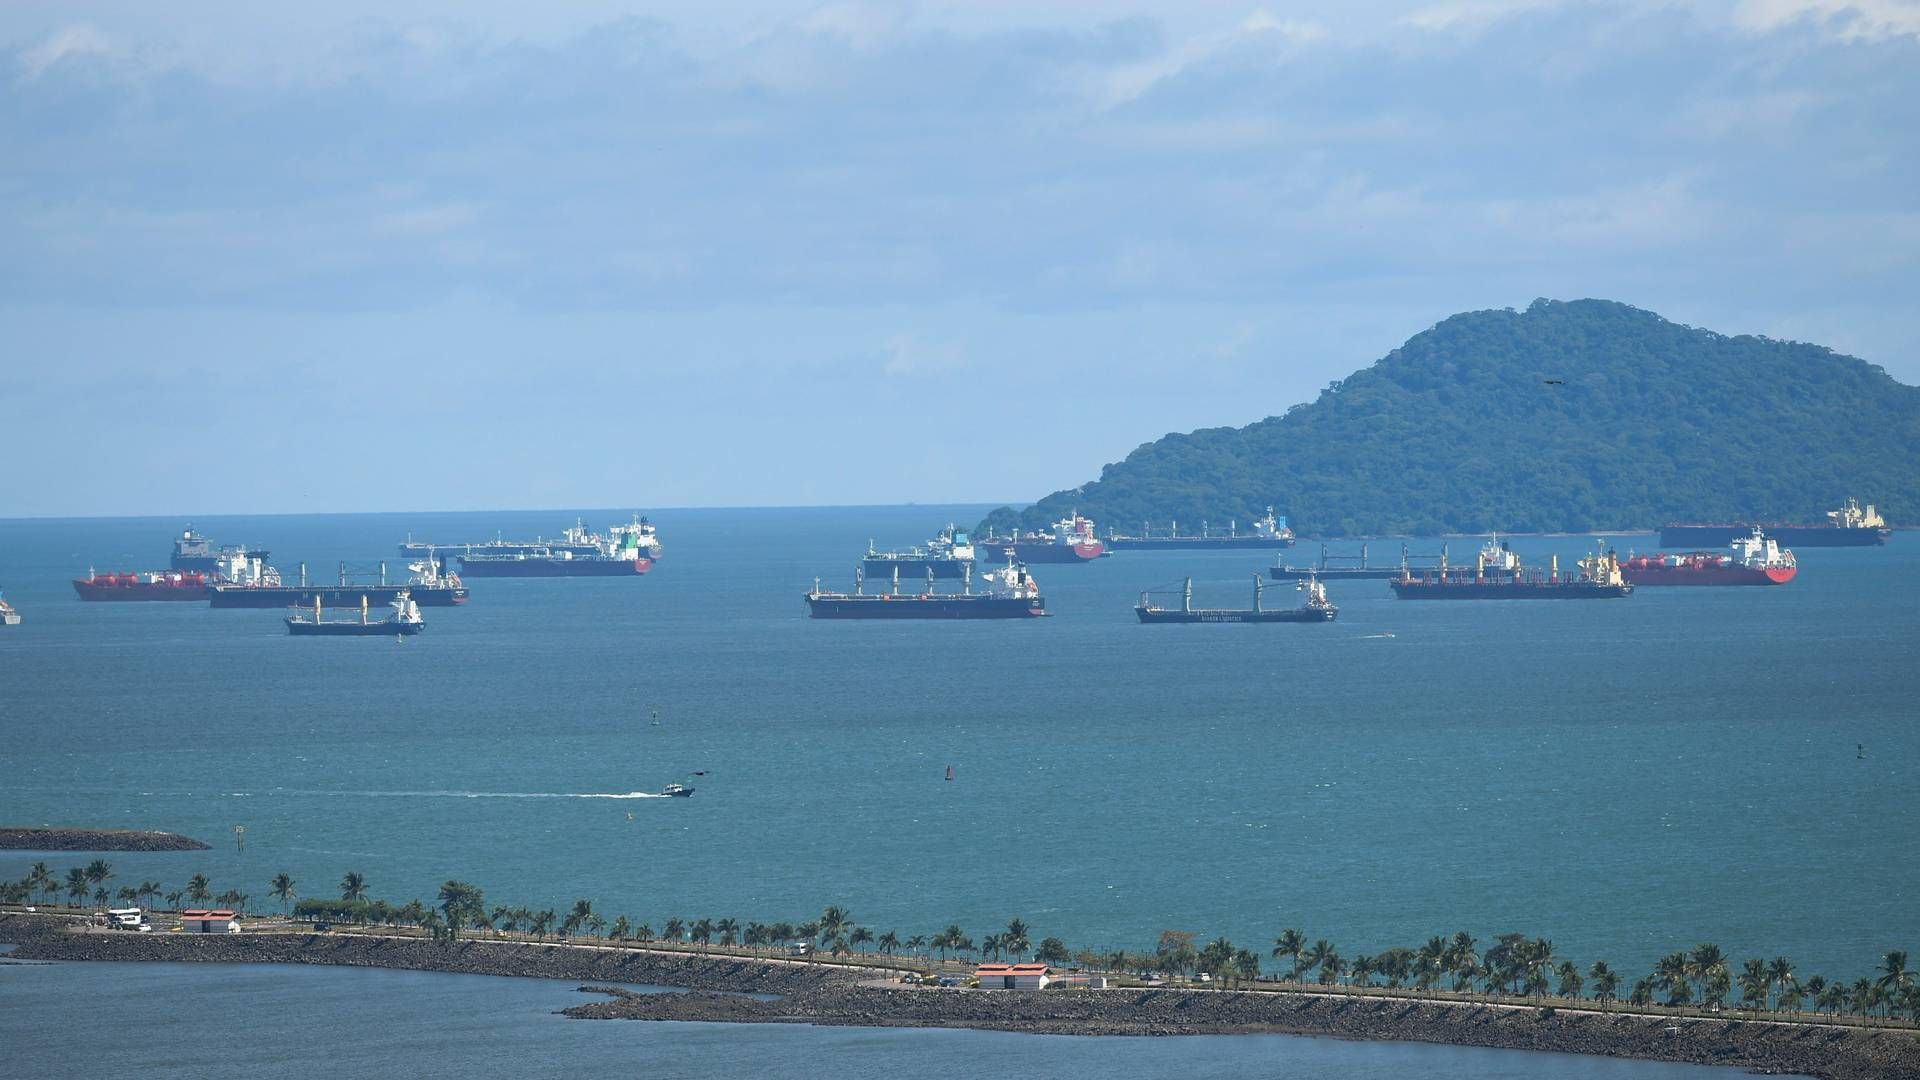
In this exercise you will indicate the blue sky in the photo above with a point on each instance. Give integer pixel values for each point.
(455, 256)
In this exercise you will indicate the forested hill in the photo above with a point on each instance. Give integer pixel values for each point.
(1570, 416)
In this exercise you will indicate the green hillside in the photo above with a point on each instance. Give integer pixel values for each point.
(1460, 430)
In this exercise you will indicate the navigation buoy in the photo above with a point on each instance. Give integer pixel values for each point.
(949, 772)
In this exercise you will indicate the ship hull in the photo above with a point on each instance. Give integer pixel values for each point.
(352, 629)
(534, 567)
(914, 607)
(203, 563)
(1719, 535)
(1031, 553)
(1706, 575)
(912, 569)
(1453, 589)
(100, 593)
(1217, 615)
(1298, 573)
(1198, 543)
(414, 550)
(281, 596)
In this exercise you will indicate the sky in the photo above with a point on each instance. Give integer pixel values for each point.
(387, 256)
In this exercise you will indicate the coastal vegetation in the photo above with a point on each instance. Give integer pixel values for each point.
(1511, 967)
(1566, 417)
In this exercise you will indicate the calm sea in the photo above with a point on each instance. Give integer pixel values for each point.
(1625, 778)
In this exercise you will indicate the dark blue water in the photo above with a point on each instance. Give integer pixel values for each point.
(1625, 777)
(196, 1020)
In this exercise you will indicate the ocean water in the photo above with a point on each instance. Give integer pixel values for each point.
(266, 1021)
(1625, 778)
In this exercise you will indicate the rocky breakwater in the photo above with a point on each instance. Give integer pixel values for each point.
(32, 838)
(45, 938)
(1830, 1052)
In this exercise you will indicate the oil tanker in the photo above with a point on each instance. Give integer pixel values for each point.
(404, 620)
(948, 555)
(1071, 541)
(1849, 526)
(575, 540)
(1315, 608)
(154, 585)
(1011, 593)
(1754, 560)
(622, 554)
(1268, 532)
(1599, 579)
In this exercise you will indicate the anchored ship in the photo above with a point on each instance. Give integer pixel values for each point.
(149, 585)
(1268, 532)
(403, 619)
(8, 616)
(575, 540)
(193, 551)
(1011, 593)
(1314, 608)
(947, 555)
(250, 583)
(1753, 560)
(1356, 566)
(1071, 541)
(1849, 526)
(1599, 578)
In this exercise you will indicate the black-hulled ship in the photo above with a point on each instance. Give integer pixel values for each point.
(1599, 579)
(1356, 566)
(948, 556)
(193, 551)
(1268, 532)
(575, 540)
(1849, 526)
(621, 554)
(1315, 607)
(1010, 593)
(403, 619)
(249, 583)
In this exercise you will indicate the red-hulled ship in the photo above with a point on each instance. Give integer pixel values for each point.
(1071, 541)
(1753, 560)
(146, 585)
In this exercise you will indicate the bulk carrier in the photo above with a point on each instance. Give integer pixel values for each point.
(1599, 578)
(1314, 608)
(1848, 526)
(1268, 532)
(404, 620)
(249, 583)
(1071, 541)
(1011, 593)
(1754, 560)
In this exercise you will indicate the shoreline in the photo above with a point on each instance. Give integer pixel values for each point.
(822, 994)
(59, 839)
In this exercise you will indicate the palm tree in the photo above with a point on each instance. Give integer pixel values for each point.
(781, 933)
(462, 903)
(643, 933)
(505, 918)
(917, 944)
(1706, 956)
(353, 887)
(728, 929)
(1642, 992)
(282, 887)
(1754, 984)
(701, 932)
(889, 941)
(1394, 964)
(1831, 998)
(100, 896)
(1246, 966)
(595, 924)
(1605, 981)
(1331, 967)
(42, 880)
(834, 921)
(1780, 974)
(1671, 973)
(541, 922)
(1570, 981)
(1015, 939)
(620, 929)
(1290, 944)
(859, 936)
(1362, 969)
(1427, 962)
(77, 886)
(147, 891)
(1316, 955)
(674, 929)
(99, 872)
(755, 934)
(950, 938)
(173, 899)
(1894, 976)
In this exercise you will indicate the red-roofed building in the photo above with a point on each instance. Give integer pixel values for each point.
(1012, 976)
(204, 921)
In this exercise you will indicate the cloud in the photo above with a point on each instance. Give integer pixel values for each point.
(78, 40)
(1850, 20)
(907, 355)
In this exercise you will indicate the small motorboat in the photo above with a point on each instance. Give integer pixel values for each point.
(678, 791)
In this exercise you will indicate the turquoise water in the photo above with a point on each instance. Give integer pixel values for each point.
(1625, 778)
(199, 1020)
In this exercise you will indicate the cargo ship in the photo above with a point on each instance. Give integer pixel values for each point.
(1314, 608)
(948, 555)
(8, 616)
(1011, 593)
(152, 585)
(575, 540)
(249, 583)
(1599, 578)
(1071, 541)
(1268, 532)
(1849, 526)
(1357, 567)
(1753, 560)
(404, 619)
(193, 551)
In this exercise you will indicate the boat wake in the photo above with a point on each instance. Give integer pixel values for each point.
(484, 794)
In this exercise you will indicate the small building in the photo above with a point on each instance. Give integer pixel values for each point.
(202, 921)
(124, 917)
(1012, 976)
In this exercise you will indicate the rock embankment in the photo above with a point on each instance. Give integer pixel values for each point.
(24, 838)
(46, 939)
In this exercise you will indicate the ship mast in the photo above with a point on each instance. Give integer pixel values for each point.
(1186, 597)
(1258, 588)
